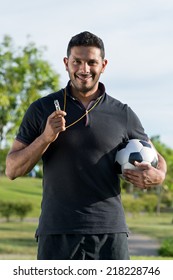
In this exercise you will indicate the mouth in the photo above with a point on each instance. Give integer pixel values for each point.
(84, 78)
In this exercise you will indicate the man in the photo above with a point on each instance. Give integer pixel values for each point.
(82, 215)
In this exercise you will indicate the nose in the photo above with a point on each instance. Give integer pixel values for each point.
(85, 68)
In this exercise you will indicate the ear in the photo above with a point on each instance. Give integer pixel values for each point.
(66, 63)
(104, 63)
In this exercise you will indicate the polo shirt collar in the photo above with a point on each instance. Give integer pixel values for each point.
(100, 86)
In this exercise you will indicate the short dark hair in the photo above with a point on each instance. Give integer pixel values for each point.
(86, 39)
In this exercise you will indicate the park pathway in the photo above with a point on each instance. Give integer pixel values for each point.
(142, 245)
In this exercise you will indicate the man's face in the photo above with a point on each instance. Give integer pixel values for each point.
(84, 67)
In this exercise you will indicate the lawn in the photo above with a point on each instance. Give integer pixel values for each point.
(157, 226)
(17, 238)
(22, 189)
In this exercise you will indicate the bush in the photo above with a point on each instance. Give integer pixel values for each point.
(133, 205)
(166, 248)
(140, 203)
(150, 202)
(167, 199)
(8, 208)
(22, 209)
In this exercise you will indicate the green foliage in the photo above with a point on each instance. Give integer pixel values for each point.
(166, 248)
(22, 209)
(9, 208)
(150, 202)
(167, 199)
(24, 77)
(132, 205)
(141, 202)
(3, 154)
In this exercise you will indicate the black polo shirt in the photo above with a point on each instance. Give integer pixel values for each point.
(81, 191)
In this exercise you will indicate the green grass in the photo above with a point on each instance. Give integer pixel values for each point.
(17, 242)
(157, 226)
(22, 189)
(17, 238)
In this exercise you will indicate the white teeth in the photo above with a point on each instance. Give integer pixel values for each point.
(84, 77)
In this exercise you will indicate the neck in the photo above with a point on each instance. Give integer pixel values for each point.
(85, 98)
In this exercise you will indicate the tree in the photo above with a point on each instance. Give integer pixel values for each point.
(22, 209)
(24, 77)
(7, 209)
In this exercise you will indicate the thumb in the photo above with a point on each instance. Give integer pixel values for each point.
(142, 165)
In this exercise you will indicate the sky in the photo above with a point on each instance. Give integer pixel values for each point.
(138, 39)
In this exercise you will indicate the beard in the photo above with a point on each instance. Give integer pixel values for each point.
(84, 86)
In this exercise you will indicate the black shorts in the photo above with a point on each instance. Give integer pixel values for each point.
(113, 246)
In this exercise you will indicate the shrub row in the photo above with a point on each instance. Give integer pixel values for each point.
(20, 209)
(146, 203)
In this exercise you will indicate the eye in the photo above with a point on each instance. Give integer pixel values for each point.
(92, 62)
(76, 62)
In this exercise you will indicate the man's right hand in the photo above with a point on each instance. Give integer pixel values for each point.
(55, 124)
(22, 157)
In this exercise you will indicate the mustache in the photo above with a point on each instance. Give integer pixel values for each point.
(84, 75)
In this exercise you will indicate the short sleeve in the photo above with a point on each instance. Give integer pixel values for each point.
(134, 126)
(32, 123)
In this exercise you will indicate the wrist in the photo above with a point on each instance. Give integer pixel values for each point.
(43, 140)
(162, 176)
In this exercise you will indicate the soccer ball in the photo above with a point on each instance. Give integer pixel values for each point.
(134, 150)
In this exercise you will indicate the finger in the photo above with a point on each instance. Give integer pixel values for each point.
(58, 122)
(142, 165)
(131, 173)
(136, 178)
(56, 114)
(130, 177)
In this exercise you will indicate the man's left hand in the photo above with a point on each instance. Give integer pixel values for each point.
(145, 176)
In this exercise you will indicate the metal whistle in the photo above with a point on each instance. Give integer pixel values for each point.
(57, 106)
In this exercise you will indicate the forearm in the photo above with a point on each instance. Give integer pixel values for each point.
(162, 167)
(22, 159)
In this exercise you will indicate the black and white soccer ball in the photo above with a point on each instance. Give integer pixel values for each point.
(134, 150)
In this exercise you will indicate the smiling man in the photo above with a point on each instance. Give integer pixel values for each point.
(81, 214)
(85, 65)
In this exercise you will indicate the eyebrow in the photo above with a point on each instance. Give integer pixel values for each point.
(90, 59)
